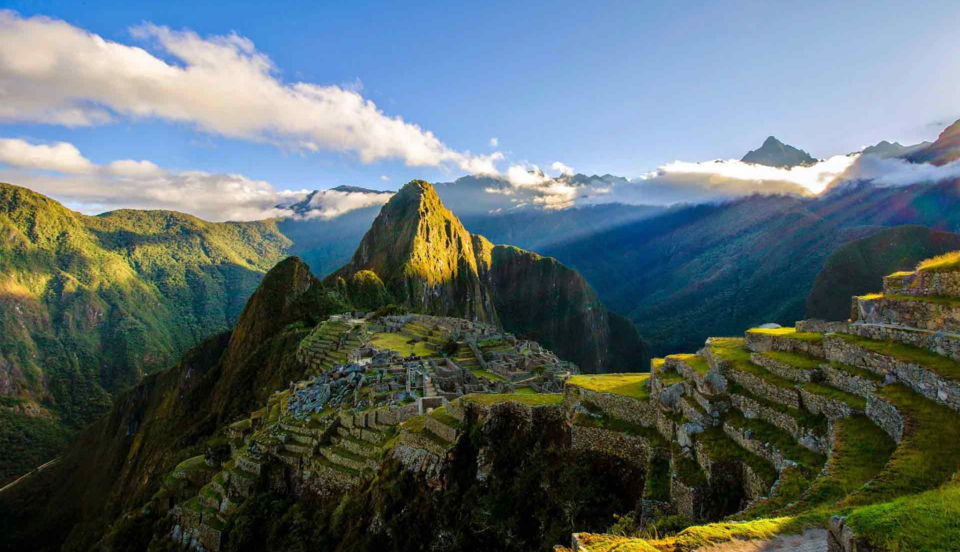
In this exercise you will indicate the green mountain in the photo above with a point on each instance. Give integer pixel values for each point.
(857, 268)
(89, 305)
(427, 260)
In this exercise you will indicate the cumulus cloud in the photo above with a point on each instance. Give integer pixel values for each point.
(526, 175)
(494, 142)
(561, 168)
(61, 171)
(899, 172)
(53, 72)
(328, 204)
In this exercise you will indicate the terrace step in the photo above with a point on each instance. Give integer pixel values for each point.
(357, 446)
(764, 383)
(911, 311)
(945, 344)
(722, 458)
(297, 448)
(343, 457)
(796, 367)
(808, 429)
(933, 376)
(770, 442)
(787, 340)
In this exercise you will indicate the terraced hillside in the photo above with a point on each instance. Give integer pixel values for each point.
(847, 434)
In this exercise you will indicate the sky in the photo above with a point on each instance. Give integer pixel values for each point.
(195, 104)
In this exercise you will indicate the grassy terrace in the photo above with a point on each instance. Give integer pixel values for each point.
(481, 373)
(804, 418)
(798, 361)
(440, 415)
(949, 262)
(541, 399)
(855, 402)
(740, 361)
(635, 386)
(940, 365)
(337, 467)
(397, 342)
(416, 425)
(720, 448)
(621, 426)
(856, 371)
(695, 362)
(946, 301)
(791, 333)
(783, 441)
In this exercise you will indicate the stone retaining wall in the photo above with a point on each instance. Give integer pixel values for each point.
(936, 342)
(210, 537)
(615, 406)
(845, 381)
(761, 343)
(886, 416)
(327, 481)
(829, 407)
(925, 382)
(419, 440)
(925, 315)
(930, 284)
(770, 454)
(785, 370)
(689, 501)
(420, 461)
(815, 325)
(665, 426)
(761, 388)
(631, 448)
(439, 428)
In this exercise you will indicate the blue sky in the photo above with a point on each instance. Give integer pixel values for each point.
(612, 87)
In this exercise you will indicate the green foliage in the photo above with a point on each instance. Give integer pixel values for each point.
(27, 442)
(367, 292)
(636, 386)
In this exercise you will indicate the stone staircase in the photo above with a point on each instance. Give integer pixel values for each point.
(821, 424)
(465, 358)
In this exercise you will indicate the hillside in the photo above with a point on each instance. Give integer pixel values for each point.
(720, 269)
(427, 260)
(89, 305)
(858, 267)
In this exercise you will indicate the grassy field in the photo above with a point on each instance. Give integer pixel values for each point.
(398, 343)
(629, 385)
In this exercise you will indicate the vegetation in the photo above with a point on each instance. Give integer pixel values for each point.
(543, 399)
(792, 333)
(401, 344)
(635, 386)
(944, 366)
(948, 262)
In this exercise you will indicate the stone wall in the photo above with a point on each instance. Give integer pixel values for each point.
(636, 411)
(815, 325)
(886, 416)
(763, 342)
(761, 388)
(631, 448)
(845, 381)
(689, 501)
(936, 342)
(828, 406)
(785, 370)
(770, 454)
(439, 428)
(930, 284)
(925, 382)
(420, 461)
(326, 481)
(925, 315)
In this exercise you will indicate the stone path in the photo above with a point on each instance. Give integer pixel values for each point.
(814, 540)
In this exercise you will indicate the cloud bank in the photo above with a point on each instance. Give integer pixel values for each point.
(52, 72)
(329, 204)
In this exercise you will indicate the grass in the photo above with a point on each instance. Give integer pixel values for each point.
(657, 484)
(540, 399)
(525, 391)
(440, 415)
(635, 386)
(695, 362)
(948, 262)
(610, 543)
(621, 426)
(783, 441)
(487, 374)
(855, 402)
(762, 373)
(688, 471)
(195, 463)
(940, 365)
(947, 301)
(397, 342)
(804, 418)
(798, 361)
(857, 371)
(791, 333)
(720, 448)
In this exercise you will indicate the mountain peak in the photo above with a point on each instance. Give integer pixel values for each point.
(774, 153)
(944, 150)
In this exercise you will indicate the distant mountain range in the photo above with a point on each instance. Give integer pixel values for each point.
(774, 153)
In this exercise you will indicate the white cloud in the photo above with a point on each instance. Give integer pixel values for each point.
(494, 142)
(561, 168)
(526, 175)
(384, 177)
(328, 204)
(53, 72)
(61, 157)
(899, 172)
(61, 171)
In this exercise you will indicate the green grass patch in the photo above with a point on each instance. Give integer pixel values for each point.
(540, 399)
(857, 371)
(487, 374)
(948, 262)
(816, 423)
(635, 386)
(720, 448)
(657, 484)
(791, 333)
(940, 365)
(399, 343)
(797, 361)
(695, 362)
(440, 415)
(855, 402)
(936, 299)
(783, 441)
(688, 471)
